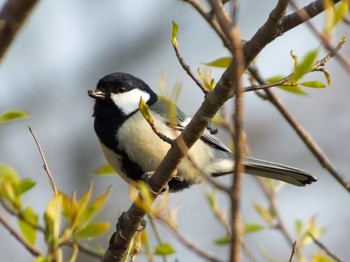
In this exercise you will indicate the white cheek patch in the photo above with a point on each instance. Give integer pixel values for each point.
(128, 102)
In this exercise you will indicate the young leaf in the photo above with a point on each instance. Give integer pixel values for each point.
(52, 218)
(313, 84)
(27, 225)
(105, 170)
(305, 65)
(266, 214)
(222, 241)
(327, 75)
(164, 249)
(293, 89)
(144, 109)
(222, 62)
(25, 185)
(95, 206)
(92, 230)
(12, 115)
(175, 30)
(251, 228)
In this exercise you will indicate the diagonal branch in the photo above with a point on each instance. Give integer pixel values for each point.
(12, 16)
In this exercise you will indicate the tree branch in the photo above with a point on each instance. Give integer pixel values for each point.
(12, 16)
(32, 249)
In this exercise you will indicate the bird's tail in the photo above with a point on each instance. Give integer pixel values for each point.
(281, 172)
(273, 170)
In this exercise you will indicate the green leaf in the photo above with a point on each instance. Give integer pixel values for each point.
(25, 185)
(299, 226)
(305, 65)
(313, 84)
(146, 113)
(164, 249)
(52, 218)
(293, 89)
(44, 258)
(92, 230)
(174, 32)
(327, 75)
(222, 241)
(222, 62)
(275, 78)
(251, 228)
(266, 214)
(93, 208)
(12, 115)
(28, 224)
(105, 170)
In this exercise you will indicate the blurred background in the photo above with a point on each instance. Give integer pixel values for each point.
(67, 46)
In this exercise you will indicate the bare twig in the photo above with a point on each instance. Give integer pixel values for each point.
(187, 243)
(271, 197)
(270, 30)
(229, 27)
(32, 249)
(325, 249)
(187, 68)
(12, 17)
(45, 165)
(294, 249)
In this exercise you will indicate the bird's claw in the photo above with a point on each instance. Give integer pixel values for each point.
(120, 225)
(147, 176)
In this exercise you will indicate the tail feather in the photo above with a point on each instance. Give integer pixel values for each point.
(281, 172)
(271, 170)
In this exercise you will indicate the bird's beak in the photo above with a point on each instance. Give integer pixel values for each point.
(97, 94)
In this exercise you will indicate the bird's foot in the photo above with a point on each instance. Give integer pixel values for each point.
(147, 176)
(120, 225)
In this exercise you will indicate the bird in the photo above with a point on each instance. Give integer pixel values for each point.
(133, 149)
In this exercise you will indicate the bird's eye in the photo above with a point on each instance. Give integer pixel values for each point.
(121, 89)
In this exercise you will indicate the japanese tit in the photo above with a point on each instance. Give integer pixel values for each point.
(132, 148)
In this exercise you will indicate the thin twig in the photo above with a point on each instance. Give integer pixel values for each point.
(271, 197)
(45, 165)
(294, 249)
(187, 243)
(32, 249)
(187, 68)
(325, 249)
(19, 215)
(229, 27)
(157, 234)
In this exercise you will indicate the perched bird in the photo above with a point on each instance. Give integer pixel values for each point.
(132, 148)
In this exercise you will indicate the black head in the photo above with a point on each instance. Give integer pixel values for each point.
(119, 94)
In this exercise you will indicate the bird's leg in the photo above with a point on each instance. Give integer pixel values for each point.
(120, 225)
(146, 177)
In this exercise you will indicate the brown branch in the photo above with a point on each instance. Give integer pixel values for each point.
(272, 198)
(325, 249)
(187, 68)
(274, 28)
(32, 249)
(294, 249)
(45, 165)
(269, 31)
(229, 27)
(12, 17)
(187, 243)
(304, 14)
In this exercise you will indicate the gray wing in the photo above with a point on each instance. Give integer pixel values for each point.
(182, 121)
